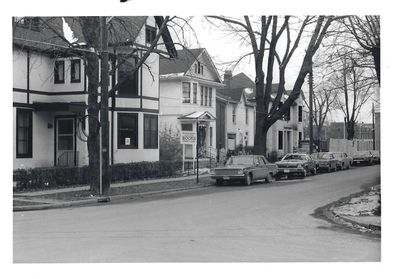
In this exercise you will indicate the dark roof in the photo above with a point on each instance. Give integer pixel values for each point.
(27, 32)
(231, 94)
(123, 29)
(181, 64)
(241, 80)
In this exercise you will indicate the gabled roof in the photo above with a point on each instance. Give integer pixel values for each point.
(181, 64)
(241, 80)
(198, 115)
(231, 94)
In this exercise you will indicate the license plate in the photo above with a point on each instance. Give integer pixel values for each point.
(225, 177)
(286, 171)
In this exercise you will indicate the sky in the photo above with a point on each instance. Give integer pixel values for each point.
(223, 48)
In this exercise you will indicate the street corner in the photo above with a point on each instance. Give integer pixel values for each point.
(360, 212)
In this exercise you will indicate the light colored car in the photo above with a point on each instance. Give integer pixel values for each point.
(363, 158)
(344, 161)
(325, 161)
(245, 168)
(296, 164)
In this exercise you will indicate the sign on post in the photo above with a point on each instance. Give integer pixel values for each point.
(188, 137)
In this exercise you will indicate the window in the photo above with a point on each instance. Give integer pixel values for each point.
(194, 93)
(201, 95)
(210, 96)
(150, 34)
(127, 78)
(150, 131)
(24, 133)
(287, 115)
(300, 136)
(206, 95)
(202, 70)
(186, 92)
(198, 67)
(300, 114)
(187, 127)
(234, 115)
(280, 140)
(195, 67)
(59, 68)
(127, 130)
(247, 116)
(76, 70)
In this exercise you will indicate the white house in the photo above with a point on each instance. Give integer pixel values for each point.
(50, 92)
(235, 119)
(283, 136)
(188, 87)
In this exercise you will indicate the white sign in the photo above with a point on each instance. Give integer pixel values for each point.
(188, 137)
(127, 141)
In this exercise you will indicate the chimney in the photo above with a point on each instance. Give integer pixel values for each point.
(228, 77)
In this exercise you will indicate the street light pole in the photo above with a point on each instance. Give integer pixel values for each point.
(197, 150)
(310, 83)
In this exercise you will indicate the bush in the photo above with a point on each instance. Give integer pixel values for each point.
(170, 144)
(56, 177)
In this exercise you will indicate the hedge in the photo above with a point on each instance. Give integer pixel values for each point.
(58, 177)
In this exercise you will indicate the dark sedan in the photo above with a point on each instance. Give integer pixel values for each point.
(245, 168)
(325, 161)
(296, 164)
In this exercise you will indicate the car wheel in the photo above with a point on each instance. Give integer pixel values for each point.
(348, 166)
(314, 171)
(269, 178)
(247, 179)
(218, 182)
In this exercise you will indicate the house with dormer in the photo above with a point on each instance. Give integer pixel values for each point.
(188, 87)
(50, 91)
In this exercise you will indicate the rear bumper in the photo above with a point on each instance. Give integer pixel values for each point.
(290, 171)
(228, 177)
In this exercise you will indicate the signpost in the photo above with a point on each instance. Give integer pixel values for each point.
(187, 138)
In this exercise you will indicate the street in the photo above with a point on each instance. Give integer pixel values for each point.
(259, 223)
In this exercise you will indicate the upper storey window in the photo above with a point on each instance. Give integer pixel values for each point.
(150, 34)
(59, 70)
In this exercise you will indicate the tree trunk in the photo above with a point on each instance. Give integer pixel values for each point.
(260, 139)
(376, 54)
(350, 129)
(93, 112)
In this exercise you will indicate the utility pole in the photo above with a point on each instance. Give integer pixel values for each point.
(104, 123)
(197, 150)
(373, 126)
(310, 83)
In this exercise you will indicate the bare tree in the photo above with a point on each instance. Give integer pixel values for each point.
(366, 30)
(263, 35)
(354, 88)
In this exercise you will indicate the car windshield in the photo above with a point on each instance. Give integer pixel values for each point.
(320, 155)
(294, 157)
(242, 160)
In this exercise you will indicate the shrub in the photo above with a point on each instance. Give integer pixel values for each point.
(170, 144)
(55, 177)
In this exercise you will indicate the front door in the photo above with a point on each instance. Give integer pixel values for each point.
(65, 142)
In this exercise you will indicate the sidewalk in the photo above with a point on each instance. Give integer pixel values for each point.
(73, 196)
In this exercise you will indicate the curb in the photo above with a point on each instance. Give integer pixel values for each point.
(96, 200)
(326, 212)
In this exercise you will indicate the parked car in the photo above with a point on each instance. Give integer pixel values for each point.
(325, 161)
(344, 161)
(245, 168)
(376, 156)
(363, 158)
(296, 164)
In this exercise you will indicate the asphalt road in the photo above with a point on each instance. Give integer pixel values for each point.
(260, 223)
